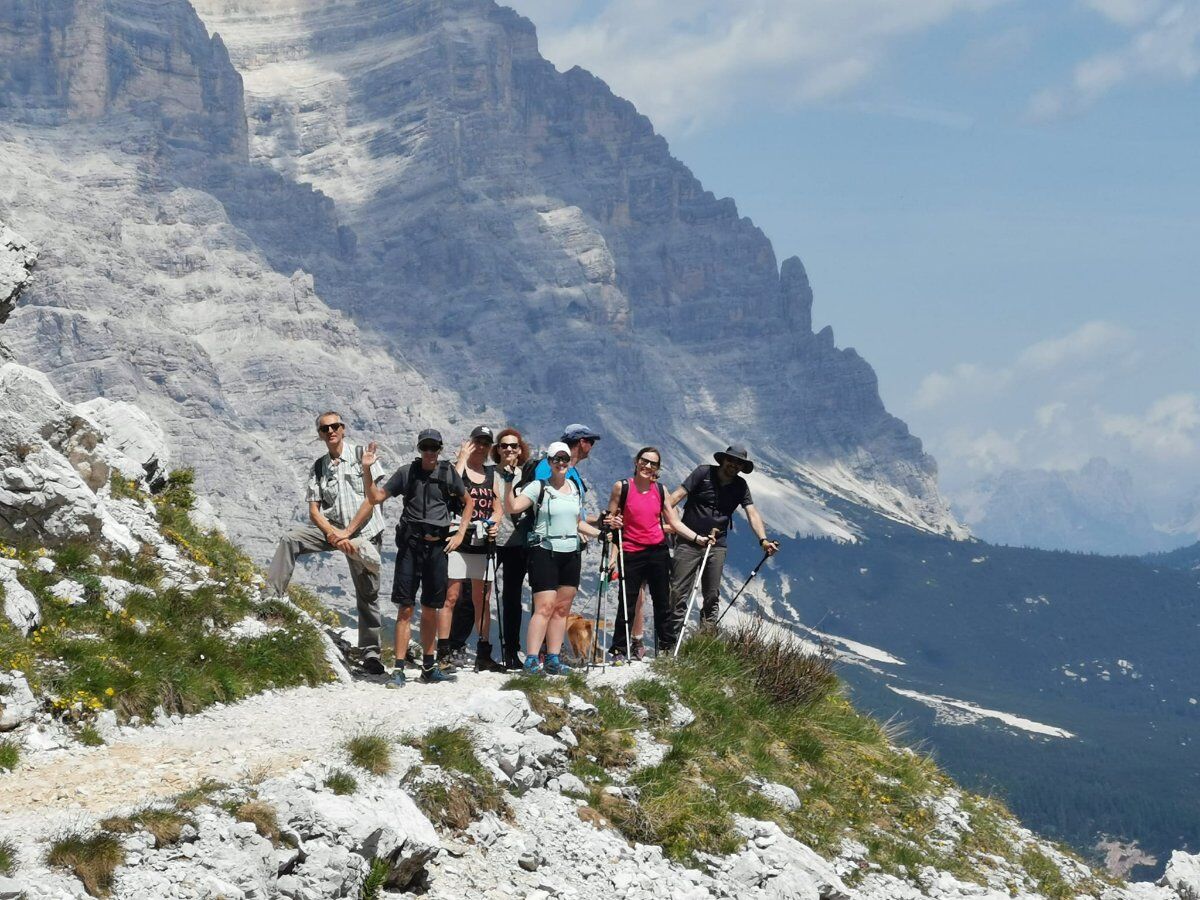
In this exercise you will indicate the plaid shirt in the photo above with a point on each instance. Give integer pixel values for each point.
(340, 492)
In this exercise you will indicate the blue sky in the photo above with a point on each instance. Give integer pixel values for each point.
(997, 202)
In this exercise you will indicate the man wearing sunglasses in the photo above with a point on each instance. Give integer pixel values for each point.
(713, 495)
(335, 494)
(433, 493)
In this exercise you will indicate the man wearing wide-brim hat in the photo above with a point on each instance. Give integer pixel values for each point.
(713, 494)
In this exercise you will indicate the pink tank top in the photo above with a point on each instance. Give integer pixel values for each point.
(643, 526)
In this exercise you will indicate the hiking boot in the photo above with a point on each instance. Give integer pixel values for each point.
(436, 675)
(484, 661)
(637, 650)
(532, 666)
(511, 660)
(373, 665)
(555, 666)
(617, 657)
(446, 665)
(398, 679)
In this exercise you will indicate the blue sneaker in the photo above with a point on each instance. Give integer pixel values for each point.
(398, 679)
(435, 676)
(532, 666)
(555, 666)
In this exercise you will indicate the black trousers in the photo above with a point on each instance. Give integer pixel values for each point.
(462, 623)
(421, 566)
(650, 567)
(513, 560)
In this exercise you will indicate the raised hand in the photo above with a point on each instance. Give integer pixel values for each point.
(370, 455)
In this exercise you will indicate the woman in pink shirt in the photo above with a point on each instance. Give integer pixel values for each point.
(637, 506)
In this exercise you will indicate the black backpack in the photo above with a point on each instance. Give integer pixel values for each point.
(440, 477)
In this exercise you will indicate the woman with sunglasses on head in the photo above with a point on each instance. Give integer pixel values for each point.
(638, 507)
(554, 556)
(510, 453)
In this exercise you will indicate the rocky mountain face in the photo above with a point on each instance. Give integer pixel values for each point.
(72, 61)
(1095, 509)
(432, 227)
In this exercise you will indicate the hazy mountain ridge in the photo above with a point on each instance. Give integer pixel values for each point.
(1096, 509)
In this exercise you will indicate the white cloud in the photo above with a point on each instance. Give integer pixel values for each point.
(687, 65)
(1164, 45)
(1080, 352)
(1169, 430)
(1048, 413)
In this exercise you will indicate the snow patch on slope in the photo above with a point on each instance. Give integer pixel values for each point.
(949, 711)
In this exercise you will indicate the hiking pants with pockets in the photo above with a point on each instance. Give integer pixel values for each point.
(683, 573)
(304, 539)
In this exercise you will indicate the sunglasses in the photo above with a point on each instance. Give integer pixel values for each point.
(332, 426)
(560, 459)
(650, 464)
(429, 448)
(510, 446)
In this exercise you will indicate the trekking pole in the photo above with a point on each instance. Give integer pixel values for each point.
(695, 588)
(729, 605)
(496, 600)
(598, 641)
(624, 595)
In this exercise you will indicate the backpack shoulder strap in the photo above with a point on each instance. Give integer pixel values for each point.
(624, 495)
(410, 485)
(662, 496)
(358, 454)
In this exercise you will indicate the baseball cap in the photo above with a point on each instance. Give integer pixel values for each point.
(429, 434)
(556, 448)
(482, 431)
(578, 432)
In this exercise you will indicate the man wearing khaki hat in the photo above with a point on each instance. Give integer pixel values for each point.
(713, 495)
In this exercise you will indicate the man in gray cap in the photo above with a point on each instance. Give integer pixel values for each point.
(335, 494)
(713, 495)
(433, 493)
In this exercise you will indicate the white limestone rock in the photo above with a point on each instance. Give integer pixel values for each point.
(17, 702)
(1183, 875)
(20, 606)
(17, 259)
(140, 443)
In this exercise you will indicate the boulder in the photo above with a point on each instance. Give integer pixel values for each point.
(17, 703)
(139, 445)
(1182, 875)
(20, 606)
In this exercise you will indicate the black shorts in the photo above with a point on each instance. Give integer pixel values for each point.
(548, 571)
(423, 565)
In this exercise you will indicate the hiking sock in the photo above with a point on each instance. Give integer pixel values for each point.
(443, 648)
(428, 661)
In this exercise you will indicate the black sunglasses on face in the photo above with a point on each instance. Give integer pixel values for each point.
(332, 426)
(649, 463)
(560, 459)
(430, 448)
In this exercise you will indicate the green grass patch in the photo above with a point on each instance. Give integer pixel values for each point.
(341, 782)
(90, 737)
(10, 754)
(123, 488)
(8, 857)
(165, 648)
(459, 800)
(653, 695)
(1046, 875)
(377, 876)
(370, 751)
(450, 748)
(308, 601)
(91, 857)
(164, 825)
(200, 795)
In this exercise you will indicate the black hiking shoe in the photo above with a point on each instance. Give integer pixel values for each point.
(484, 661)
(373, 665)
(512, 662)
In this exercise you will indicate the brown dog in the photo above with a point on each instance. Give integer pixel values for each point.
(581, 634)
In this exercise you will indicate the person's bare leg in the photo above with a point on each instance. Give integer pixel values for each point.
(404, 616)
(563, 599)
(429, 630)
(446, 615)
(483, 615)
(539, 622)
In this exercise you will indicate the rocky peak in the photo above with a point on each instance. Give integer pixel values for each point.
(81, 60)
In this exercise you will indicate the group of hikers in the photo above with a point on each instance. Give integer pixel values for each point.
(495, 509)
